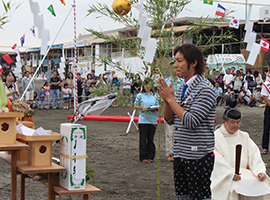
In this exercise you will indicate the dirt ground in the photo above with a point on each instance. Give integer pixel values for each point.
(115, 158)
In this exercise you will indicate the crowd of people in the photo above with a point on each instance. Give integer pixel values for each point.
(245, 88)
(55, 88)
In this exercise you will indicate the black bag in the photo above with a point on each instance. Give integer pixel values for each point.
(252, 84)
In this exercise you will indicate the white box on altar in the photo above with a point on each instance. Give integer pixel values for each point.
(73, 156)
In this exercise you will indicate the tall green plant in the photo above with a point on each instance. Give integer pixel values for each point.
(159, 13)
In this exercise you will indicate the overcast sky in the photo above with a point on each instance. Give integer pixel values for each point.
(22, 19)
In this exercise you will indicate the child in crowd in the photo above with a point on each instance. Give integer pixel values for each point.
(35, 101)
(47, 92)
(42, 96)
(66, 92)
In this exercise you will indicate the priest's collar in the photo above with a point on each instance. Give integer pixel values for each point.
(226, 133)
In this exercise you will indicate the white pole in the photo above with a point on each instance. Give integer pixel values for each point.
(75, 62)
(45, 55)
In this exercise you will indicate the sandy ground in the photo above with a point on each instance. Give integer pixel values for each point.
(115, 158)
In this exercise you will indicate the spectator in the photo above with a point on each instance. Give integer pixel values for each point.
(109, 79)
(29, 95)
(228, 79)
(47, 89)
(219, 79)
(243, 75)
(79, 87)
(233, 71)
(257, 96)
(101, 81)
(115, 82)
(245, 96)
(237, 84)
(55, 89)
(10, 86)
(66, 93)
(93, 76)
(42, 96)
(258, 78)
(137, 85)
(219, 92)
(230, 93)
(250, 82)
(267, 74)
(127, 82)
(70, 82)
(87, 84)
(35, 102)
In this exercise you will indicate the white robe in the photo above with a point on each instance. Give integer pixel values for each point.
(249, 187)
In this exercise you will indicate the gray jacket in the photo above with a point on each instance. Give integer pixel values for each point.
(25, 82)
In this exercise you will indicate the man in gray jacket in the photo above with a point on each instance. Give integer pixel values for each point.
(192, 111)
(29, 95)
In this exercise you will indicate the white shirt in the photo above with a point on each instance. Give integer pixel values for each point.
(228, 78)
(127, 80)
(247, 96)
(266, 89)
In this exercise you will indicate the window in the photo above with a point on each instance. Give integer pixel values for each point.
(266, 12)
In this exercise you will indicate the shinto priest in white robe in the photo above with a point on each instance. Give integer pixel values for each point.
(249, 187)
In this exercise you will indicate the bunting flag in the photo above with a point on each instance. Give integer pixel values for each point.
(63, 2)
(208, 2)
(234, 23)
(7, 58)
(264, 45)
(16, 49)
(1, 69)
(22, 40)
(220, 11)
(50, 8)
(33, 31)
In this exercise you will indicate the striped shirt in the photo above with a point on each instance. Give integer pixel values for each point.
(194, 134)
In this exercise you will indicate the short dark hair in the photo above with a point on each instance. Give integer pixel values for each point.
(93, 70)
(65, 84)
(191, 54)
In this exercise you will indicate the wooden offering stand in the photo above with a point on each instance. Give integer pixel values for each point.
(8, 143)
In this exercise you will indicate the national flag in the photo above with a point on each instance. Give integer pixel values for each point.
(16, 49)
(234, 23)
(7, 58)
(1, 69)
(50, 8)
(208, 2)
(264, 45)
(63, 2)
(33, 31)
(22, 40)
(220, 11)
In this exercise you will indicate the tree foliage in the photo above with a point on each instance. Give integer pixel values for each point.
(8, 9)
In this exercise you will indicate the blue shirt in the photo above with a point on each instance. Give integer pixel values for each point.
(143, 99)
(42, 98)
(175, 84)
(218, 91)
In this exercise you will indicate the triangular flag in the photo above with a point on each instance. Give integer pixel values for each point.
(264, 45)
(22, 40)
(7, 58)
(63, 2)
(208, 2)
(234, 23)
(33, 31)
(16, 49)
(50, 8)
(220, 11)
(1, 69)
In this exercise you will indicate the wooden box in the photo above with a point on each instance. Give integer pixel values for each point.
(8, 127)
(40, 148)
